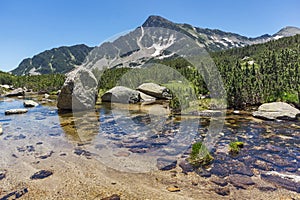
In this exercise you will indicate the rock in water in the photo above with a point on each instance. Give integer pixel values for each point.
(41, 174)
(276, 110)
(155, 90)
(16, 111)
(79, 91)
(121, 94)
(30, 103)
(16, 92)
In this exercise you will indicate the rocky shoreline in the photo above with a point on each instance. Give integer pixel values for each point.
(54, 163)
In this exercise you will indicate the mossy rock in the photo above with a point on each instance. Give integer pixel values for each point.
(200, 155)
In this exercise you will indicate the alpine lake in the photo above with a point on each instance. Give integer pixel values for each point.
(141, 152)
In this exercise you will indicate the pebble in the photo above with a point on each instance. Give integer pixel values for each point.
(219, 181)
(112, 197)
(41, 174)
(185, 166)
(222, 191)
(83, 152)
(2, 174)
(173, 189)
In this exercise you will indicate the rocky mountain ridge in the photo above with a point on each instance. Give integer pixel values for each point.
(64, 59)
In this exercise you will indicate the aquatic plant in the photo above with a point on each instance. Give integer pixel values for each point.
(234, 147)
(200, 155)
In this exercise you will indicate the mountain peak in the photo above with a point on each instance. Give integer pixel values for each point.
(157, 21)
(288, 31)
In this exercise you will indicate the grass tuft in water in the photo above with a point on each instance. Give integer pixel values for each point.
(200, 155)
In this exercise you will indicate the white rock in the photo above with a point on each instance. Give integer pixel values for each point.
(16, 111)
(30, 103)
(276, 110)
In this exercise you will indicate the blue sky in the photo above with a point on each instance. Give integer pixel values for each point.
(28, 27)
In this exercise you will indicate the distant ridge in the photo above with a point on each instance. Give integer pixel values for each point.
(64, 59)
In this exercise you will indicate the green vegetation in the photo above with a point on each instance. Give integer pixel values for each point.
(47, 82)
(200, 155)
(261, 73)
(234, 147)
(252, 75)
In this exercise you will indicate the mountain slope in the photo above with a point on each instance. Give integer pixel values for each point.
(57, 60)
(64, 59)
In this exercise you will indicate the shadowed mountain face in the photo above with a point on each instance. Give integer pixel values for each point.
(64, 59)
(57, 60)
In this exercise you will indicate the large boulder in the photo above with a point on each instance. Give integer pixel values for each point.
(16, 92)
(276, 110)
(121, 94)
(79, 91)
(155, 90)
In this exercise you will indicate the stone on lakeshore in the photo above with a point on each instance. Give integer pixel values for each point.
(16, 111)
(155, 90)
(121, 94)
(30, 103)
(16, 92)
(79, 91)
(276, 110)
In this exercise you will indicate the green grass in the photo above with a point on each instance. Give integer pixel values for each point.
(234, 147)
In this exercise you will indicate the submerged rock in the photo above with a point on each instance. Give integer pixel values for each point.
(30, 103)
(1, 130)
(241, 181)
(276, 110)
(166, 164)
(41, 174)
(290, 182)
(15, 194)
(16, 111)
(2, 174)
(155, 90)
(121, 94)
